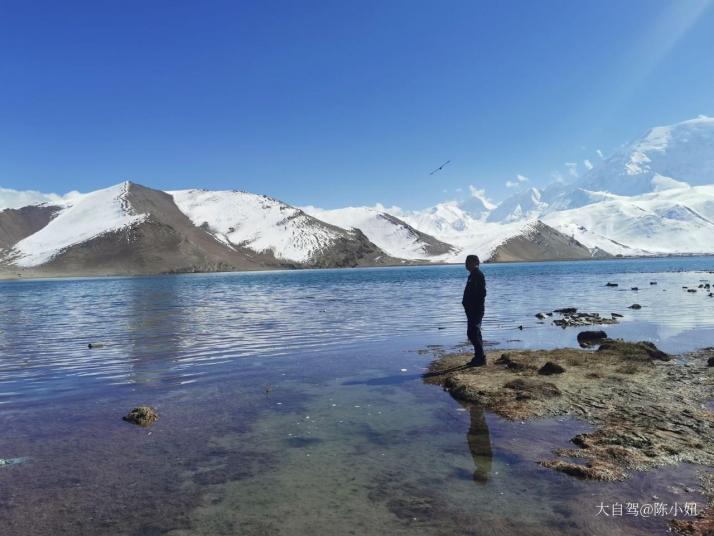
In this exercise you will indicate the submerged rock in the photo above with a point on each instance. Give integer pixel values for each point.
(591, 471)
(587, 338)
(142, 416)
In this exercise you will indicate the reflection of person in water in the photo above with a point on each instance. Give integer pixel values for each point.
(479, 441)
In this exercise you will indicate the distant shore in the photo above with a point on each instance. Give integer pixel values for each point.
(7, 274)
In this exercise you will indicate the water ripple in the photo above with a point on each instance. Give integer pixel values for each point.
(176, 330)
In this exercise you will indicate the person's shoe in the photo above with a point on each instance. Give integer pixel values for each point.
(477, 362)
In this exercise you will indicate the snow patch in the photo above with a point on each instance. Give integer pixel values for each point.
(257, 222)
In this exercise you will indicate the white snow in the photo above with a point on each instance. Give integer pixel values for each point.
(672, 221)
(523, 205)
(257, 222)
(83, 217)
(682, 152)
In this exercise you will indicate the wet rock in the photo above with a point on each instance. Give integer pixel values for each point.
(634, 288)
(635, 306)
(550, 368)
(94, 345)
(142, 416)
(611, 284)
(571, 319)
(616, 315)
(636, 351)
(710, 362)
(644, 413)
(598, 471)
(540, 316)
(566, 311)
(653, 282)
(587, 338)
(692, 290)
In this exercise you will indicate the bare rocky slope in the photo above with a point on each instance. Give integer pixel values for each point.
(540, 243)
(16, 224)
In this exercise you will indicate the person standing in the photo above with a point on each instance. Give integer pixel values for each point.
(474, 307)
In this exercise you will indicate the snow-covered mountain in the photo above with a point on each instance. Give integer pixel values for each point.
(129, 229)
(458, 233)
(676, 220)
(387, 231)
(91, 215)
(663, 157)
(265, 225)
(522, 205)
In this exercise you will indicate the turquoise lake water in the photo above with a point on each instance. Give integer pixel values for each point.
(292, 402)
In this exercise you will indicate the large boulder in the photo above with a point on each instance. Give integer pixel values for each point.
(588, 338)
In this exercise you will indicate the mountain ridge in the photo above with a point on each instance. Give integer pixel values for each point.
(653, 196)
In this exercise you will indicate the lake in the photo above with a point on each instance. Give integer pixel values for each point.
(292, 402)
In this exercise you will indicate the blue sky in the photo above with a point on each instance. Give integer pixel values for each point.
(337, 103)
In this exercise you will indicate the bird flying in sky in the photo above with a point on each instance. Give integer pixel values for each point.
(440, 167)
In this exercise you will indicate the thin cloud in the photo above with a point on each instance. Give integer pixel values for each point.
(600, 154)
(572, 168)
(588, 164)
(480, 193)
(20, 198)
(520, 179)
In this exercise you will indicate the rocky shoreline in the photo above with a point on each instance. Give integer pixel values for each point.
(649, 409)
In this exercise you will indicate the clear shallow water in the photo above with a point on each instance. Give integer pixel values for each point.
(342, 439)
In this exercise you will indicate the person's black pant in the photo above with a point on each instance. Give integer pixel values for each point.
(473, 332)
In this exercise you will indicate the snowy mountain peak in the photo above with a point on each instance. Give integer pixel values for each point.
(683, 152)
(477, 205)
(86, 217)
(258, 222)
(522, 205)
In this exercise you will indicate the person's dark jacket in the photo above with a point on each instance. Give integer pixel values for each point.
(475, 295)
